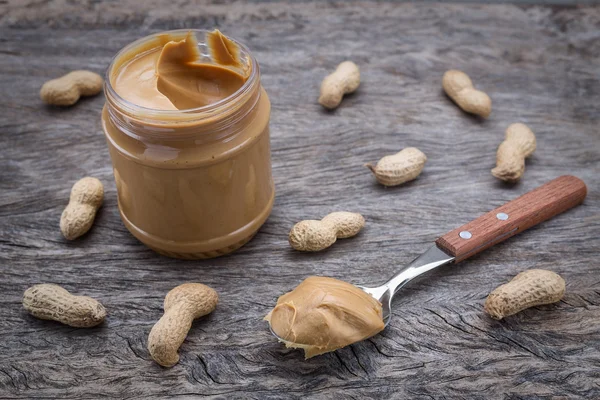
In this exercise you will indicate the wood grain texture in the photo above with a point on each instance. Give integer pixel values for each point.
(550, 199)
(539, 64)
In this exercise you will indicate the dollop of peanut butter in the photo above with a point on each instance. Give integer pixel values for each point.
(177, 76)
(325, 314)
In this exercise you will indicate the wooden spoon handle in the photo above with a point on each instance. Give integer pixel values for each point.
(533, 207)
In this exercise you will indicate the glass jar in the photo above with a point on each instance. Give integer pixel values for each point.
(191, 183)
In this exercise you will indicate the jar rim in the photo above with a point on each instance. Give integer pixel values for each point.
(132, 109)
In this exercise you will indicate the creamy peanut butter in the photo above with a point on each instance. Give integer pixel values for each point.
(187, 126)
(174, 76)
(325, 314)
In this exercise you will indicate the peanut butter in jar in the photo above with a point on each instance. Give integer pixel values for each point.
(187, 124)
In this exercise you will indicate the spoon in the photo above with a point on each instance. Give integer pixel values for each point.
(530, 209)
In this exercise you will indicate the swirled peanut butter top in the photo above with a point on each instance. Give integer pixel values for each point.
(176, 76)
(324, 314)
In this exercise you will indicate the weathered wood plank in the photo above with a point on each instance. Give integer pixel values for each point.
(538, 63)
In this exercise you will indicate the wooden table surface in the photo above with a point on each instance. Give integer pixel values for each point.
(539, 64)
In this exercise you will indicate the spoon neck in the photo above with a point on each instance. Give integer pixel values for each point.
(398, 280)
(432, 258)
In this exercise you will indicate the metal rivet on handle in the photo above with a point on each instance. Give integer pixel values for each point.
(465, 235)
(502, 216)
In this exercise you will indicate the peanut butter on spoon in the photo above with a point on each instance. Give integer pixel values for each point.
(325, 314)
